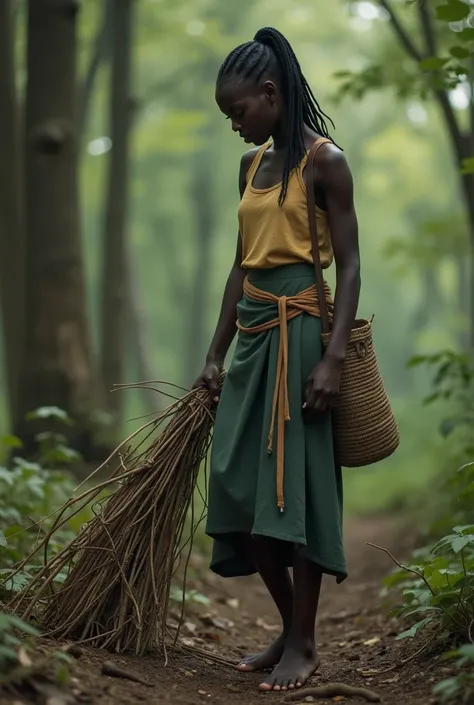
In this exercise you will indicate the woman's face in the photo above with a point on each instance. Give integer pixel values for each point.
(254, 110)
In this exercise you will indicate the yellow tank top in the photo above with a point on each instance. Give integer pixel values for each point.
(274, 235)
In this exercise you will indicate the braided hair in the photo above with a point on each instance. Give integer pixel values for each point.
(271, 54)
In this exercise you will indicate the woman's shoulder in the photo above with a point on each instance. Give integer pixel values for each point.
(247, 159)
(328, 153)
(245, 164)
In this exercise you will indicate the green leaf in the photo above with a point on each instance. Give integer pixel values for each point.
(459, 52)
(12, 530)
(467, 34)
(432, 63)
(418, 610)
(24, 627)
(7, 653)
(198, 597)
(6, 476)
(417, 360)
(3, 540)
(49, 412)
(411, 633)
(62, 656)
(444, 543)
(11, 639)
(452, 11)
(421, 595)
(467, 529)
(62, 674)
(10, 441)
(454, 576)
(26, 465)
(467, 166)
(60, 577)
(448, 688)
(342, 74)
(460, 542)
(467, 650)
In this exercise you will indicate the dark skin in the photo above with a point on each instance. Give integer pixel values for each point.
(257, 112)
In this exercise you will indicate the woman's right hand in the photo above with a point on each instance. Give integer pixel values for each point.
(209, 378)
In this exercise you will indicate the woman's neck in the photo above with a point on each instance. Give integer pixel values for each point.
(280, 136)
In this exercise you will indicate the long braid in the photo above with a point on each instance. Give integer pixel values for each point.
(271, 52)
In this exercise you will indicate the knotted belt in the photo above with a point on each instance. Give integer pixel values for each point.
(289, 307)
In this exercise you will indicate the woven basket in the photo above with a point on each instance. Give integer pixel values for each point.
(364, 426)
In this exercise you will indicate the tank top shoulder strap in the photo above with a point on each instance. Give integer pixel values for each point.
(304, 161)
(256, 162)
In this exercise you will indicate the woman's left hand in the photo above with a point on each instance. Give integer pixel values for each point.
(323, 386)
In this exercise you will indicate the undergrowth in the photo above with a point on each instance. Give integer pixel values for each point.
(437, 588)
(30, 494)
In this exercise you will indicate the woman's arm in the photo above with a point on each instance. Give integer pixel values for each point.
(226, 325)
(333, 176)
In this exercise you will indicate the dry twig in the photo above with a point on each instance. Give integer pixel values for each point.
(334, 690)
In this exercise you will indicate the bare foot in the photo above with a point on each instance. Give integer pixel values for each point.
(267, 659)
(298, 663)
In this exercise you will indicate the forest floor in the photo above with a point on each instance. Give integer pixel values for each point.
(356, 640)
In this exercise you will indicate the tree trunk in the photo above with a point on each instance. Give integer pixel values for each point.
(12, 278)
(114, 277)
(468, 189)
(57, 367)
(204, 218)
(99, 53)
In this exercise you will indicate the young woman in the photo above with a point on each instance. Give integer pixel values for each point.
(275, 496)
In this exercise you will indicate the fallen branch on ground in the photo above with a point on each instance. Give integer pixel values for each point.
(334, 690)
(110, 669)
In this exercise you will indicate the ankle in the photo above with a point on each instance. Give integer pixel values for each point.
(301, 641)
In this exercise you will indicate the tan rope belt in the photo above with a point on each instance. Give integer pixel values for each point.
(289, 307)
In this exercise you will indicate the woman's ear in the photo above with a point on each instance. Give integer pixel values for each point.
(270, 92)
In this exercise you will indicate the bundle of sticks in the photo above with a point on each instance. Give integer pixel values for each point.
(121, 564)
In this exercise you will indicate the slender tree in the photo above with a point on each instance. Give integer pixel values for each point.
(11, 232)
(99, 53)
(114, 307)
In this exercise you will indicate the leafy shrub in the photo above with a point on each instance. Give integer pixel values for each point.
(30, 493)
(438, 589)
(453, 385)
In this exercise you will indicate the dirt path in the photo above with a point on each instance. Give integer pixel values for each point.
(354, 636)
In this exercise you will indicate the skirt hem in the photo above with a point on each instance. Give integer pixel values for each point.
(218, 566)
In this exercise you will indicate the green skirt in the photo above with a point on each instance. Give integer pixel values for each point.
(242, 483)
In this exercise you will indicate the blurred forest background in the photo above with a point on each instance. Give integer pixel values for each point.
(118, 198)
(118, 224)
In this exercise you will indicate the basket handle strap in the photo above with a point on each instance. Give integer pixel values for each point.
(313, 229)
